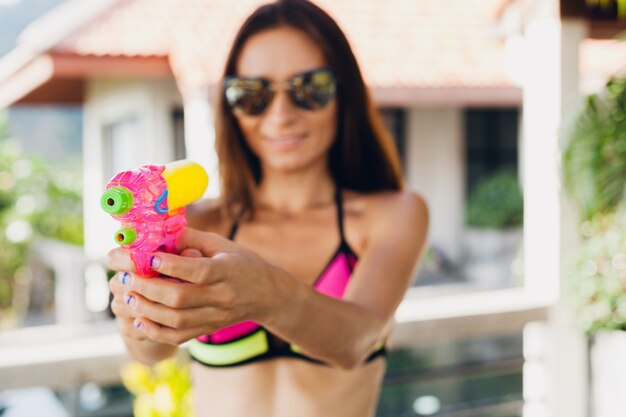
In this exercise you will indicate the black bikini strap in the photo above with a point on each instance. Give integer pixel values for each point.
(235, 225)
(233, 229)
(339, 204)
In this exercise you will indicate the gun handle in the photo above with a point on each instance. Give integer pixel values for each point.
(142, 259)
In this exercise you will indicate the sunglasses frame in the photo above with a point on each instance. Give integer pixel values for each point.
(274, 87)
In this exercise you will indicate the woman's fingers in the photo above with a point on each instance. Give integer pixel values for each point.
(121, 310)
(172, 294)
(191, 253)
(129, 329)
(194, 270)
(176, 318)
(207, 243)
(168, 335)
(119, 260)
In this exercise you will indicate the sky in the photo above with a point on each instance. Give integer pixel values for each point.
(15, 15)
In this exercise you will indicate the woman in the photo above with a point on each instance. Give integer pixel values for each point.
(310, 178)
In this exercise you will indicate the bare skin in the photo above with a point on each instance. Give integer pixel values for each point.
(266, 274)
(311, 389)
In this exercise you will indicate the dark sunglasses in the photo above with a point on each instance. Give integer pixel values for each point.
(310, 90)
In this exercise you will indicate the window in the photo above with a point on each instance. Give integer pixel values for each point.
(491, 143)
(178, 121)
(395, 119)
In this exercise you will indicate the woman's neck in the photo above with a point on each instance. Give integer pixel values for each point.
(296, 191)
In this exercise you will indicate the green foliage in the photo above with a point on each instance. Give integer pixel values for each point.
(594, 172)
(496, 202)
(597, 274)
(594, 162)
(34, 201)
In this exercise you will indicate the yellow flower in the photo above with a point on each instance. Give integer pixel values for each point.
(144, 406)
(163, 401)
(161, 391)
(138, 378)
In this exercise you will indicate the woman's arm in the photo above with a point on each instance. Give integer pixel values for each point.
(233, 284)
(345, 332)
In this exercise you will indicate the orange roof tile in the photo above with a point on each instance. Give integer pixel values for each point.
(399, 43)
(425, 45)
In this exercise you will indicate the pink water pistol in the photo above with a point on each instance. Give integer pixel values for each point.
(150, 203)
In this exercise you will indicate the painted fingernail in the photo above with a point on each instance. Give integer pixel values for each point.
(130, 300)
(155, 262)
(126, 278)
(139, 325)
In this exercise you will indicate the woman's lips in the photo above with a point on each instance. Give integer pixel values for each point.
(284, 142)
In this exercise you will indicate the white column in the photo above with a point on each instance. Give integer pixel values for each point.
(200, 137)
(551, 92)
(436, 169)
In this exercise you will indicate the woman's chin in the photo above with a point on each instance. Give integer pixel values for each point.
(288, 165)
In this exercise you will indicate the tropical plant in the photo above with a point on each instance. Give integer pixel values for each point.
(594, 170)
(618, 5)
(597, 274)
(496, 202)
(594, 162)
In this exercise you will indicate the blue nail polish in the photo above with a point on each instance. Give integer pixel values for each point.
(130, 300)
(155, 262)
(139, 325)
(125, 278)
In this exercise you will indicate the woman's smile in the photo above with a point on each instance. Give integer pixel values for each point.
(284, 142)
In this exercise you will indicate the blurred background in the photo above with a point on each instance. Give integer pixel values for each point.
(510, 118)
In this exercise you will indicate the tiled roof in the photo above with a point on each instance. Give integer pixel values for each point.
(399, 43)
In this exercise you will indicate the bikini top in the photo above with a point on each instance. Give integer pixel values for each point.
(247, 341)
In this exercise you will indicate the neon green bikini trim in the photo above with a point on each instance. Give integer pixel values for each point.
(232, 352)
(239, 350)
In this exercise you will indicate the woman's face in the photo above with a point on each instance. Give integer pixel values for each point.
(285, 137)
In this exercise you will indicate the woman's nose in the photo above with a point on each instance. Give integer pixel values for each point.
(281, 107)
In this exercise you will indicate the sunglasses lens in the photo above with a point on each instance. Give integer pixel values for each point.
(313, 90)
(247, 96)
(310, 90)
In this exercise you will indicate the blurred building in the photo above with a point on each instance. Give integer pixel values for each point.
(457, 82)
(146, 73)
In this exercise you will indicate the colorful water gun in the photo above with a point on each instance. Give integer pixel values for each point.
(150, 203)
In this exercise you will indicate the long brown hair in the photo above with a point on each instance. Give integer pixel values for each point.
(363, 156)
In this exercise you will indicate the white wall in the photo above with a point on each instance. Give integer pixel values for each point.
(200, 137)
(108, 101)
(436, 169)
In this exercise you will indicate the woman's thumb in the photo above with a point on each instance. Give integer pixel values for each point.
(191, 253)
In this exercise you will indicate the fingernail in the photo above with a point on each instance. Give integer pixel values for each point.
(130, 300)
(155, 262)
(139, 324)
(126, 278)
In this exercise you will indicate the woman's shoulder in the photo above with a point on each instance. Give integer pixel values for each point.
(208, 215)
(383, 210)
(382, 203)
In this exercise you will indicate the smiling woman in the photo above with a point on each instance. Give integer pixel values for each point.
(292, 278)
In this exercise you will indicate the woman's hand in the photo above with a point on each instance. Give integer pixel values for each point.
(228, 284)
(119, 260)
(121, 305)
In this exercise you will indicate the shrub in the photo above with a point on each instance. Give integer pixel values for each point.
(496, 202)
(34, 201)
